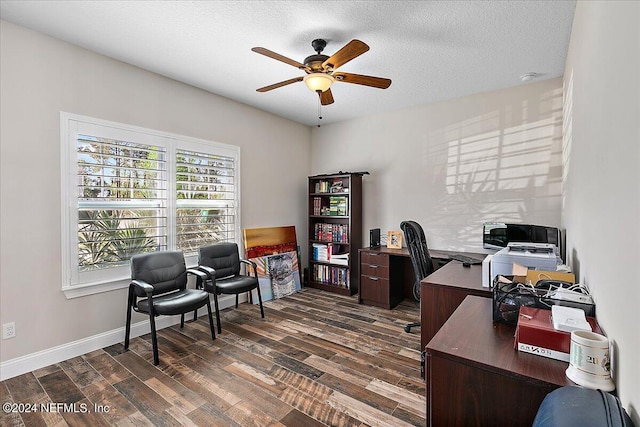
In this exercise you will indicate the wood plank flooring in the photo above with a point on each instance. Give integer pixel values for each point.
(316, 359)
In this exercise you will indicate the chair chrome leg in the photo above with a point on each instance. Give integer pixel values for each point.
(215, 300)
(237, 300)
(213, 329)
(260, 301)
(127, 332)
(154, 339)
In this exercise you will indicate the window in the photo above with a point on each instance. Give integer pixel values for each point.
(129, 190)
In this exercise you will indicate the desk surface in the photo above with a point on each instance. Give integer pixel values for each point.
(475, 377)
(456, 275)
(434, 253)
(443, 291)
(470, 336)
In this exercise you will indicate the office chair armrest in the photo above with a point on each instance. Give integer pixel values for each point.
(201, 276)
(142, 285)
(209, 271)
(252, 264)
(210, 282)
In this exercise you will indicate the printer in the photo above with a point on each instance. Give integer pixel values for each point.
(536, 256)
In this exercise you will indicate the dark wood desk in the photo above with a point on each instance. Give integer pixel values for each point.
(442, 292)
(386, 275)
(476, 378)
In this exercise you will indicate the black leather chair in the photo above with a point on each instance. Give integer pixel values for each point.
(160, 279)
(420, 259)
(221, 261)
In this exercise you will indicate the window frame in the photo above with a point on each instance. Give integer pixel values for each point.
(76, 283)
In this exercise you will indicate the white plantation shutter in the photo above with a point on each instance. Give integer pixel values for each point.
(122, 199)
(130, 190)
(205, 199)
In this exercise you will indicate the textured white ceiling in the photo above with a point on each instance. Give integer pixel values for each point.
(432, 50)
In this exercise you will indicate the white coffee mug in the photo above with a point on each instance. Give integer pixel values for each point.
(589, 361)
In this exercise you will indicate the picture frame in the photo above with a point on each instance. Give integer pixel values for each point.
(394, 239)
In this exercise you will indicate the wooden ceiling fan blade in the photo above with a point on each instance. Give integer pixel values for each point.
(351, 50)
(280, 84)
(359, 79)
(326, 97)
(277, 56)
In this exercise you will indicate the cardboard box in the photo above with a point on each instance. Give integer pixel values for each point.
(535, 334)
(536, 275)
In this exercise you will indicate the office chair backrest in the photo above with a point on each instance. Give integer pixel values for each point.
(223, 257)
(166, 271)
(417, 247)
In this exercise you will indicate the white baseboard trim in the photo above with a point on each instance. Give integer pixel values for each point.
(31, 362)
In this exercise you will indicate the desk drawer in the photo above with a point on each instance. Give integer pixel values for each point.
(374, 291)
(374, 258)
(374, 270)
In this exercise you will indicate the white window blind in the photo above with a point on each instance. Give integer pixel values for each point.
(122, 198)
(130, 190)
(205, 194)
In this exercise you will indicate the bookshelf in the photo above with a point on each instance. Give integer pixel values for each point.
(335, 231)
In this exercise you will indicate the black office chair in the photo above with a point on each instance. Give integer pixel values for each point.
(161, 279)
(420, 258)
(221, 262)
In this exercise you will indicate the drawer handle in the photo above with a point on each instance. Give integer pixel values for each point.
(373, 266)
(373, 278)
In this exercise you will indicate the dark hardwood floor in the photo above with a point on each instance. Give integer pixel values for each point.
(316, 359)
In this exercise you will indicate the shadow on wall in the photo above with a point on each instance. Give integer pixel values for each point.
(504, 166)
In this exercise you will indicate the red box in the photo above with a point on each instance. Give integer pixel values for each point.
(535, 334)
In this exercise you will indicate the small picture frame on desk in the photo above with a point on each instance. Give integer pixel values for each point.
(394, 239)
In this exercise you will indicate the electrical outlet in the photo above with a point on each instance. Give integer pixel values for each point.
(8, 330)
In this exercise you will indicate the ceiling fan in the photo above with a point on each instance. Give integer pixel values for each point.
(321, 69)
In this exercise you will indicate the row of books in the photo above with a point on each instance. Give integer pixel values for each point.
(329, 253)
(336, 276)
(338, 233)
(320, 252)
(335, 186)
(317, 205)
(338, 206)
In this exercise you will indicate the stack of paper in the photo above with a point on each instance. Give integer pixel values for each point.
(569, 319)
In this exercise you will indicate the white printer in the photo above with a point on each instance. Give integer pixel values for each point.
(535, 256)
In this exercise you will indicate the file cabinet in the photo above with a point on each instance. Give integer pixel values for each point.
(376, 286)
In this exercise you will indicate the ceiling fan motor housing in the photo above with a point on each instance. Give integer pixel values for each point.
(315, 62)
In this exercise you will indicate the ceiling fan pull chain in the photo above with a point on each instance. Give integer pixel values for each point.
(319, 106)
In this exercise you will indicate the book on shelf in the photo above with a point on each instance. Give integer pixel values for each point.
(324, 187)
(341, 261)
(317, 205)
(336, 233)
(338, 206)
(334, 276)
(338, 258)
(329, 253)
(320, 252)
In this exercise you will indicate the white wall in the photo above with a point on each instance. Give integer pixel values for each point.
(602, 186)
(41, 76)
(453, 165)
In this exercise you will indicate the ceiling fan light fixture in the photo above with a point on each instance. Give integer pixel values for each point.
(319, 81)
